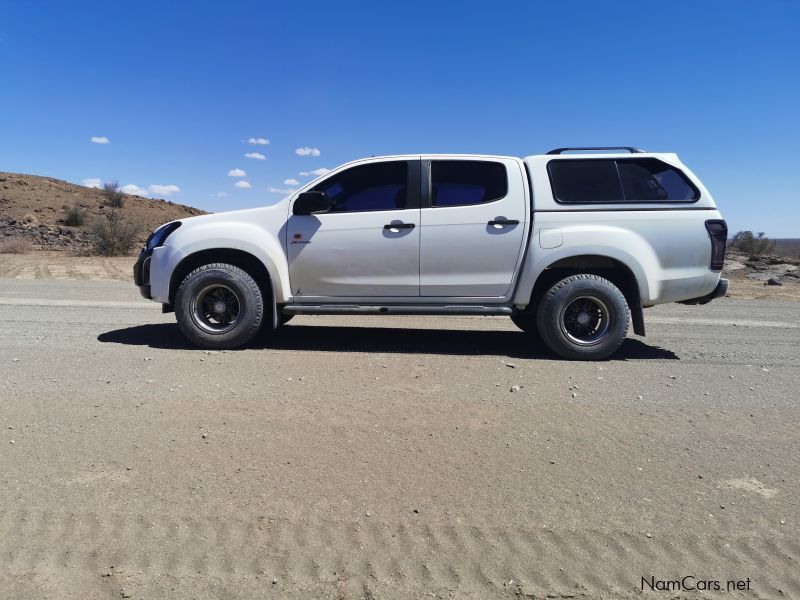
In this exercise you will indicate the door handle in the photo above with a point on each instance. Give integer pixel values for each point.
(504, 222)
(399, 226)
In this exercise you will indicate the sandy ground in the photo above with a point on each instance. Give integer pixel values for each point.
(387, 457)
(59, 265)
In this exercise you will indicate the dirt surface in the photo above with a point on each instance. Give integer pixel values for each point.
(387, 457)
(59, 265)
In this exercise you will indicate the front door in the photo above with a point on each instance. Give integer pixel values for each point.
(473, 227)
(368, 244)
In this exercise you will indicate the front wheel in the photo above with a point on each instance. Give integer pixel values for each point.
(583, 317)
(219, 306)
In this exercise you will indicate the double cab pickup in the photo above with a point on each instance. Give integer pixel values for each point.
(571, 246)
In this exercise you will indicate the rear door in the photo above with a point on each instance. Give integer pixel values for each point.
(473, 226)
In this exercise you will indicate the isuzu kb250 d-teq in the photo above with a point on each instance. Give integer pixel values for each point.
(571, 246)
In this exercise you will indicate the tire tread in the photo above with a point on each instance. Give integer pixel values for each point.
(223, 341)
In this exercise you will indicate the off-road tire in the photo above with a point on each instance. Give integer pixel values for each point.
(249, 301)
(595, 300)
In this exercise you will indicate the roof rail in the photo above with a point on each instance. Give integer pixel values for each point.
(630, 149)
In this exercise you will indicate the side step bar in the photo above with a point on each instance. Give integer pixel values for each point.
(395, 309)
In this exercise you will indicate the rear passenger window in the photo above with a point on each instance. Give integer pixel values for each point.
(465, 182)
(619, 181)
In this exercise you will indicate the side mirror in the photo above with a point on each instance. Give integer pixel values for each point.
(310, 203)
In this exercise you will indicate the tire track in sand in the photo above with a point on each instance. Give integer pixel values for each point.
(495, 559)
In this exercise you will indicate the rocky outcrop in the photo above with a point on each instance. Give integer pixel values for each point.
(47, 237)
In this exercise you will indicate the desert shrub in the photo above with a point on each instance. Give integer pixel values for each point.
(15, 245)
(30, 218)
(754, 245)
(114, 234)
(113, 194)
(74, 216)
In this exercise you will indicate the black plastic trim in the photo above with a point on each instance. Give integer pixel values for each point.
(425, 185)
(413, 189)
(399, 226)
(630, 149)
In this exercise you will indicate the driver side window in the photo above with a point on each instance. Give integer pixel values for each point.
(379, 186)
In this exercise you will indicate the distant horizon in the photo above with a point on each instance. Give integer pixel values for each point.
(232, 107)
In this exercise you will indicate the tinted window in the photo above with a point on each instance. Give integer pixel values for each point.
(585, 181)
(379, 186)
(623, 180)
(463, 182)
(650, 179)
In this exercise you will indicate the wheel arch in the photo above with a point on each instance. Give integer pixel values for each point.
(233, 256)
(616, 271)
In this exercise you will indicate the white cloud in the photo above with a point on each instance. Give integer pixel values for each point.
(92, 182)
(242, 184)
(258, 141)
(284, 191)
(306, 151)
(237, 173)
(255, 155)
(315, 172)
(290, 181)
(100, 139)
(219, 194)
(164, 190)
(134, 190)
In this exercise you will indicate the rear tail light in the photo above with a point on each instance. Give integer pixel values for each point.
(718, 232)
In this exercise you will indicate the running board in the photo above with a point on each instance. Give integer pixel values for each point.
(395, 309)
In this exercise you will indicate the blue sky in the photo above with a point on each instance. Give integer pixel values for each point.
(179, 88)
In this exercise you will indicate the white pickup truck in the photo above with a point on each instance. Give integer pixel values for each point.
(570, 246)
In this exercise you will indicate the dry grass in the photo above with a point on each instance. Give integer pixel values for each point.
(16, 245)
(74, 216)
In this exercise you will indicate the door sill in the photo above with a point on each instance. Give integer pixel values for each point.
(396, 309)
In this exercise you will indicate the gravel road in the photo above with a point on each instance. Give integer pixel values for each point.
(391, 457)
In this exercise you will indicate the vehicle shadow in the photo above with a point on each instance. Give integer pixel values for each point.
(512, 344)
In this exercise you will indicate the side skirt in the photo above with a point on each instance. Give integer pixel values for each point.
(395, 309)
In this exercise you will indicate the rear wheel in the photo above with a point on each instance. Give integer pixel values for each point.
(219, 306)
(583, 317)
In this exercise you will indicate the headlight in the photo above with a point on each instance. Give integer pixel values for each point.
(159, 236)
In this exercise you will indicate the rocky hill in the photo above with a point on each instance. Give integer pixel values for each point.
(34, 208)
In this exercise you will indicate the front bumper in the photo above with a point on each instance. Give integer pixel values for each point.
(719, 292)
(141, 273)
